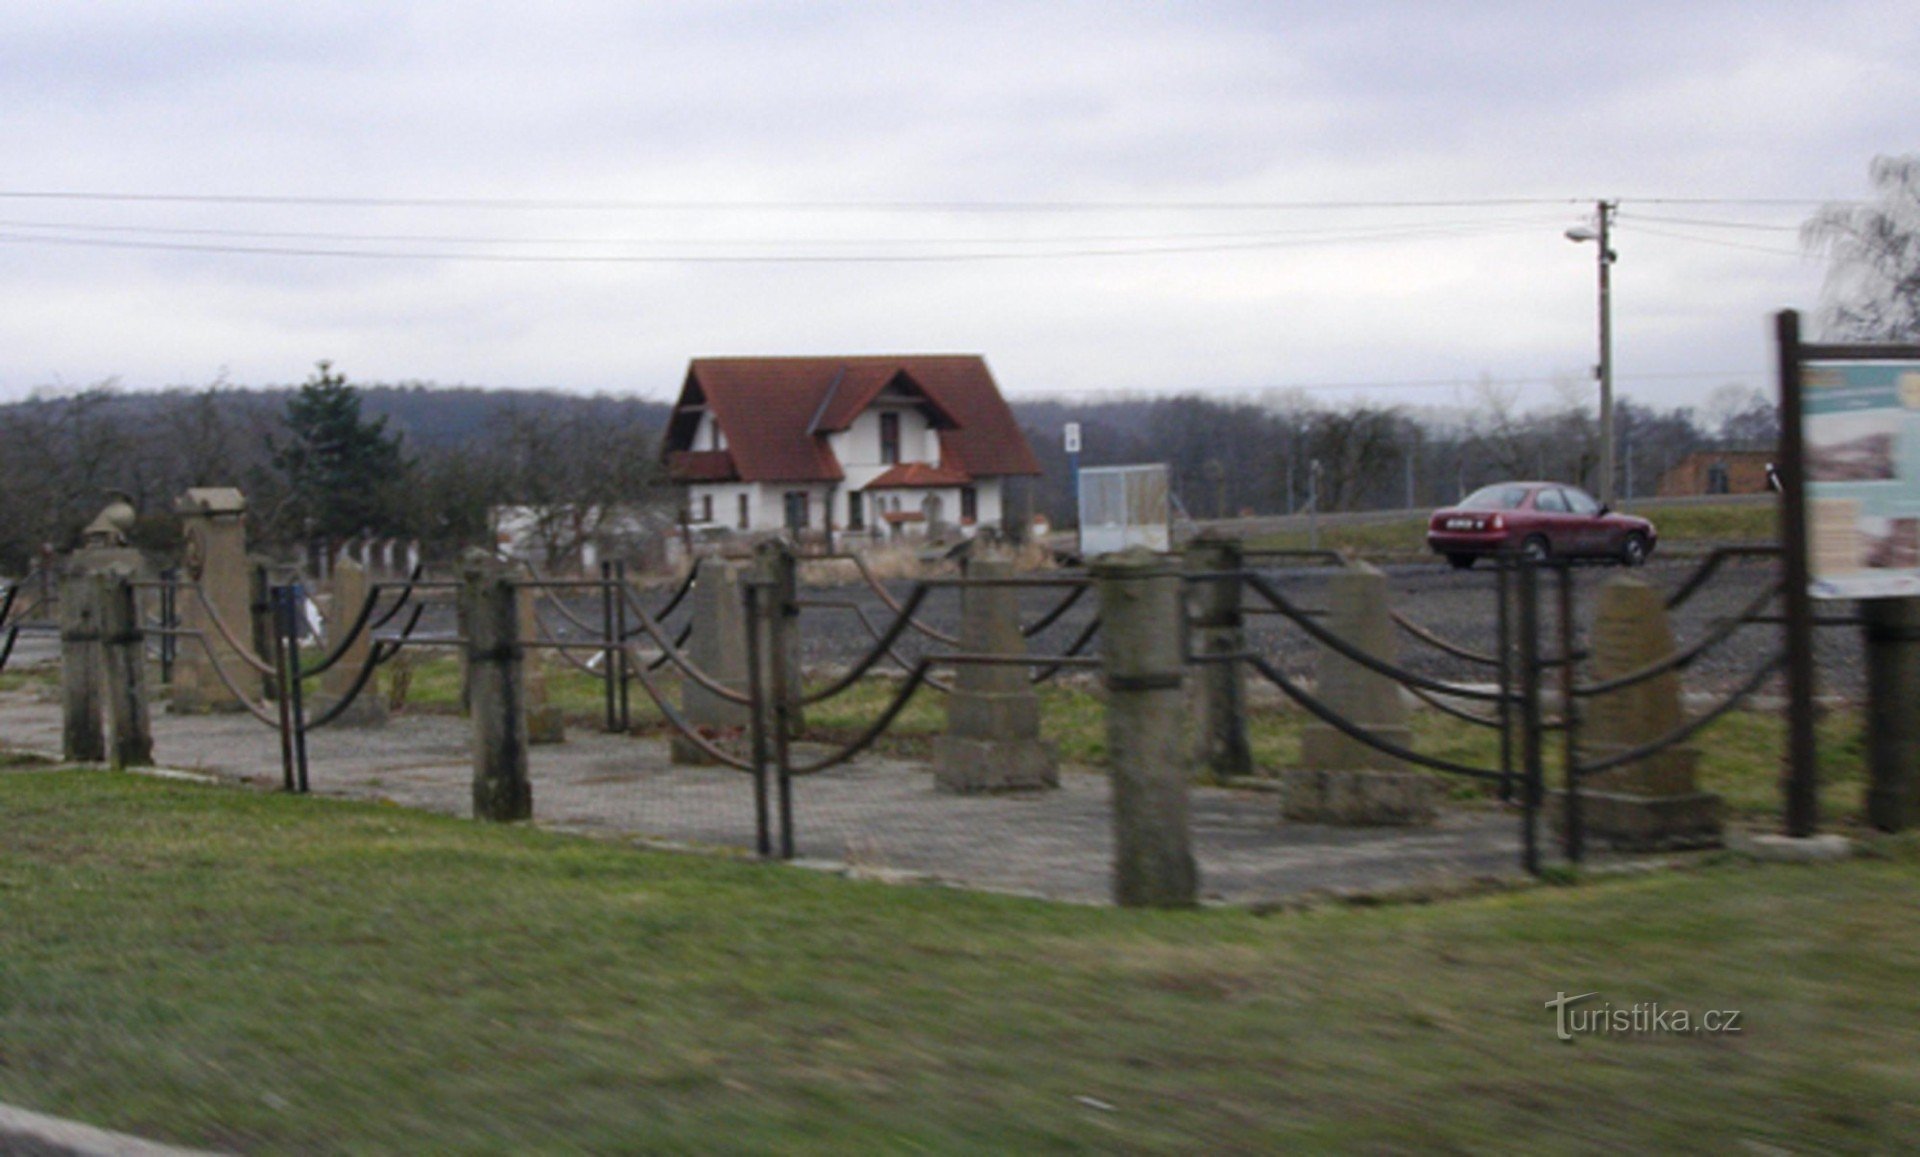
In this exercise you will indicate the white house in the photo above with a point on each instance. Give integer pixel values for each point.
(871, 446)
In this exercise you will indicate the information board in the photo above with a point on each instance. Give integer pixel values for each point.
(1861, 441)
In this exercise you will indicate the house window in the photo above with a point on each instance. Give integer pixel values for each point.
(796, 510)
(856, 510)
(746, 520)
(1717, 478)
(889, 438)
(713, 435)
(706, 508)
(969, 505)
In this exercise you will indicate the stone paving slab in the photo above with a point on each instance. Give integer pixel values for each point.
(28, 1134)
(876, 817)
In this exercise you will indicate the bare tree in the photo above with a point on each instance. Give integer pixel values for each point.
(1873, 254)
(1353, 447)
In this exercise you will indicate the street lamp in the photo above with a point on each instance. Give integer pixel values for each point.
(1599, 233)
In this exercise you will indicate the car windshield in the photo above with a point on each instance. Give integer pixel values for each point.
(1581, 501)
(1495, 498)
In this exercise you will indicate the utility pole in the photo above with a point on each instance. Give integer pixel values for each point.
(1604, 211)
(1602, 233)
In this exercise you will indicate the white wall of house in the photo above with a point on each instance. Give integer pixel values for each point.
(708, 435)
(766, 504)
(858, 446)
(988, 504)
(726, 505)
(858, 450)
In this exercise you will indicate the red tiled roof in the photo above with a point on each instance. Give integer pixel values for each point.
(918, 475)
(701, 466)
(777, 412)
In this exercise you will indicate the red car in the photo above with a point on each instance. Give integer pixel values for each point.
(1541, 520)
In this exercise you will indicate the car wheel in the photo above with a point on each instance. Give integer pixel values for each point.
(1534, 549)
(1633, 552)
(1460, 561)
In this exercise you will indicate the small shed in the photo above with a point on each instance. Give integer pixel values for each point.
(1123, 506)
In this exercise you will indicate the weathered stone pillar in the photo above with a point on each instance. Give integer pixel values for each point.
(1651, 803)
(1220, 692)
(501, 788)
(124, 662)
(546, 723)
(718, 648)
(82, 737)
(350, 590)
(1343, 780)
(216, 560)
(1892, 628)
(992, 741)
(1147, 746)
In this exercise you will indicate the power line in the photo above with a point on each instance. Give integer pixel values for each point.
(1721, 243)
(1320, 231)
(757, 206)
(1381, 233)
(715, 205)
(1707, 223)
(1412, 384)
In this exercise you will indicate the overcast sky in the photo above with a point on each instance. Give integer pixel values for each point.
(1184, 196)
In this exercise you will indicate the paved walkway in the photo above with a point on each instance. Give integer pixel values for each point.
(26, 1134)
(877, 817)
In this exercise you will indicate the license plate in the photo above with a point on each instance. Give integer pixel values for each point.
(1463, 524)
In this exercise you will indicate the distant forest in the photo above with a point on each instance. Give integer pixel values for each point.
(463, 450)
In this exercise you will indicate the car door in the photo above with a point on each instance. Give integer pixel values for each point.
(1555, 521)
(1589, 528)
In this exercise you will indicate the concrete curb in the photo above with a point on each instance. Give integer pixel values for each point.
(25, 1134)
(1778, 849)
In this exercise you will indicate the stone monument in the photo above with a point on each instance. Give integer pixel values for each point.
(215, 558)
(1342, 780)
(718, 649)
(1651, 803)
(992, 741)
(350, 590)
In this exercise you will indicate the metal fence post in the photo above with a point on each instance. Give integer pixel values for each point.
(1801, 783)
(124, 647)
(776, 575)
(263, 624)
(608, 657)
(1575, 831)
(1148, 750)
(623, 674)
(755, 594)
(1503, 615)
(1528, 628)
(169, 622)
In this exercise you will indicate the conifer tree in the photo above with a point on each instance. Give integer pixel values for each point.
(342, 471)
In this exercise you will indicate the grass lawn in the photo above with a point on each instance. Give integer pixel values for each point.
(276, 974)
